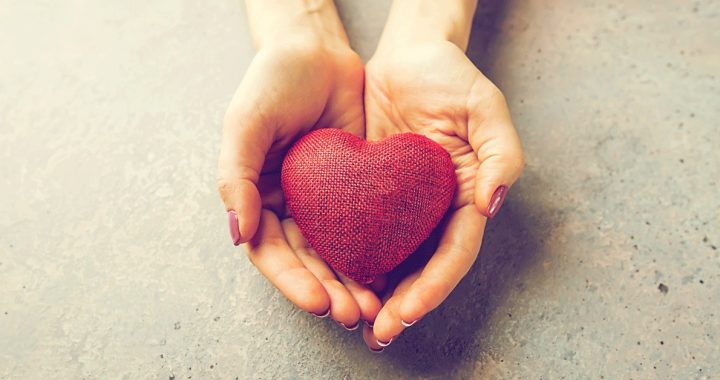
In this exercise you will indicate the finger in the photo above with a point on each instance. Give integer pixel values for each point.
(269, 251)
(371, 340)
(456, 253)
(245, 142)
(368, 301)
(388, 324)
(493, 138)
(343, 305)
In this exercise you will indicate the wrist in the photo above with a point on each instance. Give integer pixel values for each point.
(413, 22)
(314, 24)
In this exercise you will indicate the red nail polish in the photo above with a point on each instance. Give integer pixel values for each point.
(497, 200)
(234, 230)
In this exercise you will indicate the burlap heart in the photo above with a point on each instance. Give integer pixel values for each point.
(366, 206)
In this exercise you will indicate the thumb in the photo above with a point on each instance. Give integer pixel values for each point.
(245, 142)
(494, 140)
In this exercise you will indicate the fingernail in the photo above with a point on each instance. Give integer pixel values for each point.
(497, 200)
(408, 324)
(234, 230)
(368, 324)
(323, 315)
(379, 350)
(357, 324)
(384, 344)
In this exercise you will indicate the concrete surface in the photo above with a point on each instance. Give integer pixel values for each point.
(114, 255)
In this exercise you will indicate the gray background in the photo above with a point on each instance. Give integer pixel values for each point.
(114, 255)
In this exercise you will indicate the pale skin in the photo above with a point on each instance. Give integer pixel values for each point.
(419, 80)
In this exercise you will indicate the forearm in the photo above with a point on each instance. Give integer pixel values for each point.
(314, 21)
(413, 21)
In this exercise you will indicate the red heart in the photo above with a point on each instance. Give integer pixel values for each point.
(366, 206)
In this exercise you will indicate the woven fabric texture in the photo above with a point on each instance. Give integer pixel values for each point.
(366, 206)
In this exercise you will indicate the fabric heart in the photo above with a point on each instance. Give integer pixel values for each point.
(366, 206)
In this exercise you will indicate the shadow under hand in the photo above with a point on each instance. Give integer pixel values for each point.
(448, 336)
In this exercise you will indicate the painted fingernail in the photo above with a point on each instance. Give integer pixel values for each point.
(408, 324)
(496, 201)
(351, 328)
(234, 230)
(327, 312)
(384, 344)
(379, 350)
(369, 324)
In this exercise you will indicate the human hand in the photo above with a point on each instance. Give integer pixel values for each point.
(424, 83)
(302, 78)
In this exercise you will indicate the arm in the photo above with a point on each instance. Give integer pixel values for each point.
(305, 21)
(413, 21)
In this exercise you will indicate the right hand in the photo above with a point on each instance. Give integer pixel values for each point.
(289, 90)
(462, 111)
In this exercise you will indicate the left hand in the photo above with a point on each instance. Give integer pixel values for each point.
(433, 89)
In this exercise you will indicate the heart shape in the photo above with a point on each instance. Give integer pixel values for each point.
(365, 206)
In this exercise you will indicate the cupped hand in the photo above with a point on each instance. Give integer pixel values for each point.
(433, 89)
(289, 90)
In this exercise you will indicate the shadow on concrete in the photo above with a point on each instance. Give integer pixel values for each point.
(486, 27)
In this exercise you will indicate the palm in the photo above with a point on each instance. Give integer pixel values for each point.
(314, 91)
(426, 90)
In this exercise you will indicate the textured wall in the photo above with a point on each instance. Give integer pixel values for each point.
(114, 255)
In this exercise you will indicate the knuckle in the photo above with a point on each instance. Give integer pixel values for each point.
(230, 117)
(517, 163)
(455, 250)
(428, 299)
(242, 111)
(226, 186)
(332, 283)
(249, 253)
(231, 180)
(236, 110)
(496, 96)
